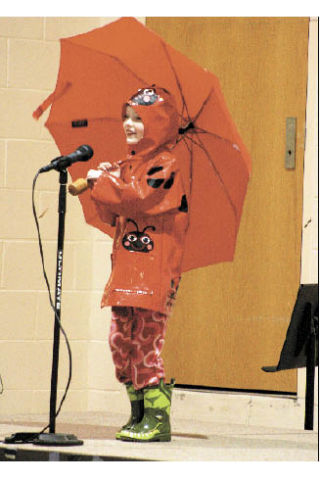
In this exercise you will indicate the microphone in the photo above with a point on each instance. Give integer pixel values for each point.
(82, 154)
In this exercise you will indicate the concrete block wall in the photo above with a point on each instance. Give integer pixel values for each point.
(29, 60)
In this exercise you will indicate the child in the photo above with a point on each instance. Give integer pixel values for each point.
(144, 195)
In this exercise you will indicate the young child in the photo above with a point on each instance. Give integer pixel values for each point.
(145, 197)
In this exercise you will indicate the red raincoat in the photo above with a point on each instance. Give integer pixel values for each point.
(149, 206)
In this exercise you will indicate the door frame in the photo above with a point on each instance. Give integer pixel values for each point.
(309, 273)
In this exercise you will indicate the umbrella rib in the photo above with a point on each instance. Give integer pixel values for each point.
(127, 68)
(201, 130)
(182, 138)
(200, 144)
(177, 80)
(117, 60)
(202, 106)
(190, 149)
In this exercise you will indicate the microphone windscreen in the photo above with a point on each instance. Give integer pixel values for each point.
(86, 153)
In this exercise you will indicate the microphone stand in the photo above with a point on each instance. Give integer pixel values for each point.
(52, 438)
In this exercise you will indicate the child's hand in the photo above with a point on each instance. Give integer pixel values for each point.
(110, 168)
(92, 176)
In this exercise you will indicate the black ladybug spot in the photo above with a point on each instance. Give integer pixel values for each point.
(169, 182)
(155, 182)
(154, 170)
(184, 204)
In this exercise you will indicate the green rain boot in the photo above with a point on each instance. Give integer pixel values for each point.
(137, 410)
(155, 425)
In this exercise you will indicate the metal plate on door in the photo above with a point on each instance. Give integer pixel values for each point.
(290, 158)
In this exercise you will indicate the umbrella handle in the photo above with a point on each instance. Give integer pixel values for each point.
(78, 186)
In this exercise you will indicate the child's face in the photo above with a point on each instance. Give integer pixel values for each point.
(133, 126)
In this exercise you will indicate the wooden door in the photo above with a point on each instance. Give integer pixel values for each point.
(231, 319)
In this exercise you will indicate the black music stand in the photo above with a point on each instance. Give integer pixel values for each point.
(301, 346)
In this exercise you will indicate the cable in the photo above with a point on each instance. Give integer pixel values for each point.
(51, 303)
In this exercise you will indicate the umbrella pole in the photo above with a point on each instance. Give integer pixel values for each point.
(52, 438)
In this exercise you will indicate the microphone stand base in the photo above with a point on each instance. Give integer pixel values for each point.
(57, 439)
(48, 439)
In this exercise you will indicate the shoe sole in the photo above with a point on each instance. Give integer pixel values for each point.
(164, 438)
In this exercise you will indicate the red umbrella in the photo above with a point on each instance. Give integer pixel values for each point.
(99, 70)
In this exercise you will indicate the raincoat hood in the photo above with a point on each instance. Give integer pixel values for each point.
(157, 109)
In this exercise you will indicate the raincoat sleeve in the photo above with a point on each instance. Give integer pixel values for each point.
(156, 189)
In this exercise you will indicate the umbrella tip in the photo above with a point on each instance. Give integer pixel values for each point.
(37, 113)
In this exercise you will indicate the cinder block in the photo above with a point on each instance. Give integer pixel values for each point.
(60, 27)
(309, 267)
(315, 226)
(75, 316)
(76, 226)
(3, 61)
(101, 370)
(33, 64)
(109, 401)
(25, 365)
(25, 158)
(209, 406)
(16, 108)
(75, 401)
(99, 318)
(17, 315)
(16, 402)
(2, 162)
(16, 215)
(101, 264)
(1, 260)
(79, 351)
(41, 400)
(48, 210)
(22, 27)
(105, 20)
(101, 236)
(45, 134)
(83, 266)
(22, 269)
(284, 412)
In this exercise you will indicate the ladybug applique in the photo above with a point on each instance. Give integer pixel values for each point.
(136, 241)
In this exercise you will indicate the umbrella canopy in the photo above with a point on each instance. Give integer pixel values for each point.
(99, 70)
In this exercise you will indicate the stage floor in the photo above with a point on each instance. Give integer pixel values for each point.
(192, 440)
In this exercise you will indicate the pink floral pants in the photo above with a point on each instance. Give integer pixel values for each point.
(136, 340)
